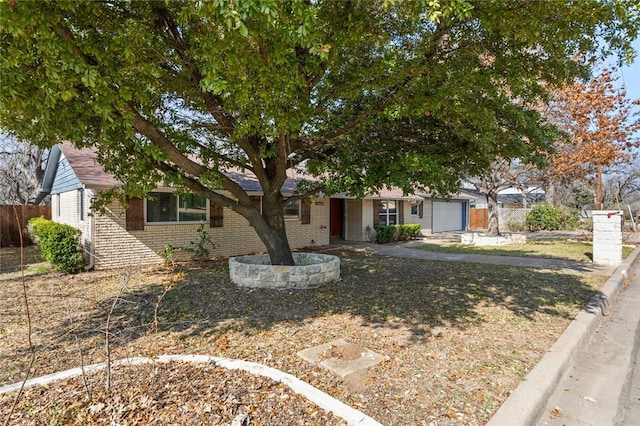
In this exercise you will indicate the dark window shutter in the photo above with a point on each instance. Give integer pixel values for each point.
(376, 212)
(215, 214)
(421, 209)
(135, 214)
(257, 202)
(305, 211)
(400, 212)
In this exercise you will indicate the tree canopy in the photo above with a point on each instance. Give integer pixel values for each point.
(601, 123)
(363, 93)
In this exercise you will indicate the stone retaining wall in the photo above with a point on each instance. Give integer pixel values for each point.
(310, 271)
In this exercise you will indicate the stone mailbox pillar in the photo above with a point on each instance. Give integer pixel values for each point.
(607, 236)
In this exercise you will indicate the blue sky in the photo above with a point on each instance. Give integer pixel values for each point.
(630, 75)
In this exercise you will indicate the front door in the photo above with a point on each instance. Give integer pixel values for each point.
(336, 217)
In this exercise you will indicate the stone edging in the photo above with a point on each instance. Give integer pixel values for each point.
(321, 399)
(310, 270)
(525, 404)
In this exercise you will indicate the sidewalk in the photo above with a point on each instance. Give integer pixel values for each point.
(410, 250)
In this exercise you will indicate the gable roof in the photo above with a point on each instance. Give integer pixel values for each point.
(91, 174)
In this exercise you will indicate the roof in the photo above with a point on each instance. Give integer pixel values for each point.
(86, 167)
(91, 174)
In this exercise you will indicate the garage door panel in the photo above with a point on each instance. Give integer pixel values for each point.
(447, 216)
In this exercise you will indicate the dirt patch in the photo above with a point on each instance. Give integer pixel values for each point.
(459, 337)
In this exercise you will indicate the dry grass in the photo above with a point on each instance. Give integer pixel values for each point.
(580, 251)
(459, 336)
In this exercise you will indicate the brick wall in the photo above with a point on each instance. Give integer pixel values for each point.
(116, 247)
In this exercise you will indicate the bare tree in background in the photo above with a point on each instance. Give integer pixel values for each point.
(21, 171)
(504, 174)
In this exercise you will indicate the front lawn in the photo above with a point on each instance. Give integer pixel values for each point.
(545, 248)
(459, 338)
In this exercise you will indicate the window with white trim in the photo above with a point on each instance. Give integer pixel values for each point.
(388, 213)
(165, 207)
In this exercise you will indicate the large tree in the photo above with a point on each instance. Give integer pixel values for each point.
(21, 171)
(601, 123)
(364, 93)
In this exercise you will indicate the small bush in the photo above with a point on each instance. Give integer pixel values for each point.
(571, 220)
(544, 217)
(59, 244)
(385, 233)
(516, 226)
(408, 231)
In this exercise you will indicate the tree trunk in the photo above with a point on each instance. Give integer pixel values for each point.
(492, 204)
(270, 227)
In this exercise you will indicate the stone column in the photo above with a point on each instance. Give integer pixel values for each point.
(607, 236)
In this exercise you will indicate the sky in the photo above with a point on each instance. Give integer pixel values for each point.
(630, 75)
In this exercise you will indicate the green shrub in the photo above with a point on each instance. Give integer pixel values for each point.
(408, 231)
(35, 226)
(544, 217)
(385, 233)
(59, 244)
(571, 219)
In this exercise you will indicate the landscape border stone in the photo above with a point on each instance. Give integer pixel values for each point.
(321, 399)
(310, 271)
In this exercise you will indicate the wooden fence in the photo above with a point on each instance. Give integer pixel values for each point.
(478, 218)
(10, 228)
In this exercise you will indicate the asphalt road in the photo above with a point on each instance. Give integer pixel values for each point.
(603, 388)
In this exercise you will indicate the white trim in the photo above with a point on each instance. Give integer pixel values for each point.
(175, 222)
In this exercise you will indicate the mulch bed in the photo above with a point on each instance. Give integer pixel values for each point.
(163, 394)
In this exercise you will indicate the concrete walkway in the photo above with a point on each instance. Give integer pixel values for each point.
(410, 250)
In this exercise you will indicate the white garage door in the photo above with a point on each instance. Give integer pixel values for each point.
(448, 216)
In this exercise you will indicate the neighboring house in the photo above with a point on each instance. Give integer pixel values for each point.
(120, 236)
(507, 198)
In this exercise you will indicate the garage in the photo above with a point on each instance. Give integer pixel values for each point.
(449, 216)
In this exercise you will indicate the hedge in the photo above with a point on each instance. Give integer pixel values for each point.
(388, 233)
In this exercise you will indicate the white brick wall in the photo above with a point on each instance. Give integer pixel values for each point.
(607, 237)
(116, 247)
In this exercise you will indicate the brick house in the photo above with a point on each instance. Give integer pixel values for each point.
(136, 235)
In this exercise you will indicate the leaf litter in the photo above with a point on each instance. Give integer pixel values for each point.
(459, 338)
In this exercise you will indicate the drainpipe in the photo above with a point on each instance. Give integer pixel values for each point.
(92, 232)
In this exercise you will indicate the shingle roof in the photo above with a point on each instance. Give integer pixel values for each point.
(86, 167)
(92, 174)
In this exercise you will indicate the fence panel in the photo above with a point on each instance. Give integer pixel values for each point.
(478, 218)
(10, 227)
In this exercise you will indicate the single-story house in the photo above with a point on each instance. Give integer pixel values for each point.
(512, 198)
(120, 236)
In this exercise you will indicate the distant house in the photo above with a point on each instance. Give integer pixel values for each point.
(507, 198)
(136, 235)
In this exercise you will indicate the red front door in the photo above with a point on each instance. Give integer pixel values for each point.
(336, 217)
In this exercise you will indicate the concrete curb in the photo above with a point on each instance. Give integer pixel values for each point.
(321, 399)
(526, 403)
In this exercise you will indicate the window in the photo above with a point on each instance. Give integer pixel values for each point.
(167, 207)
(388, 213)
(415, 208)
(81, 204)
(292, 210)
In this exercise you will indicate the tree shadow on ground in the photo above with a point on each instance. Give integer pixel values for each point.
(415, 294)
